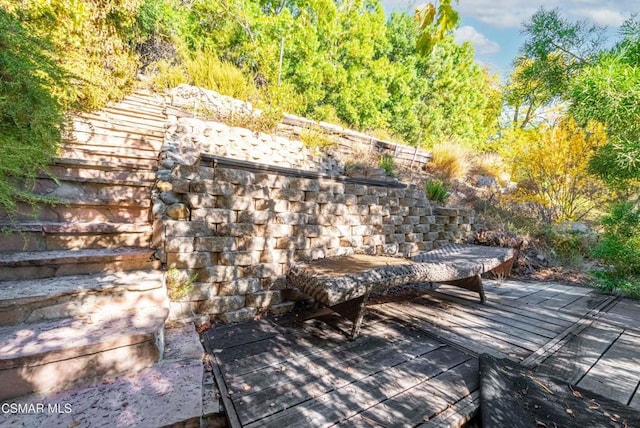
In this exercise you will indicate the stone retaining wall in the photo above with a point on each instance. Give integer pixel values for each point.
(238, 231)
(242, 230)
(349, 144)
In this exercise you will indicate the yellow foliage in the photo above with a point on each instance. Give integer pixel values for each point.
(550, 166)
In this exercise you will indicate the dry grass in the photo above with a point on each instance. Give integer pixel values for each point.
(451, 161)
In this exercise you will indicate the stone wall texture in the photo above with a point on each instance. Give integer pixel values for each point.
(238, 231)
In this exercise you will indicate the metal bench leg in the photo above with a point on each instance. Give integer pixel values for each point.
(473, 283)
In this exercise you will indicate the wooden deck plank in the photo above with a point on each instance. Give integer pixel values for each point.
(584, 304)
(635, 401)
(564, 299)
(231, 335)
(617, 373)
(507, 289)
(542, 296)
(428, 399)
(315, 364)
(530, 311)
(308, 338)
(578, 355)
(285, 395)
(473, 328)
(464, 337)
(342, 403)
(499, 329)
(457, 415)
(624, 314)
(514, 320)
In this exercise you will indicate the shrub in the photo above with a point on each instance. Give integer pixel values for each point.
(386, 162)
(619, 249)
(436, 191)
(32, 92)
(165, 75)
(206, 70)
(567, 248)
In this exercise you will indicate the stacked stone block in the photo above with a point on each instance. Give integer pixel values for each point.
(245, 229)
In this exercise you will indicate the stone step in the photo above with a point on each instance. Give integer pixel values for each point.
(112, 138)
(70, 190)
(137, 110)
(35, 300)
(42, 236)
(114, 149)
(99, 174)
(171, 393)
(120, 166)
(56, 354)
(43, 264)
(84, 211)
(78, 152)
(112, 124)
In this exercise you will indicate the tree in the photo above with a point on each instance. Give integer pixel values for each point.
(553, 52)
(608, 91)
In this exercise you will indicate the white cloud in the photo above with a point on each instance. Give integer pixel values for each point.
(608, 17)
(482, 44)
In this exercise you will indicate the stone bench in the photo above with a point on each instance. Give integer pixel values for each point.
(343, 284)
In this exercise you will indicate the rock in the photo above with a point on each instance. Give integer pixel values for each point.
(485, 181)
(169, 198)
(164, 186)
(178, 212)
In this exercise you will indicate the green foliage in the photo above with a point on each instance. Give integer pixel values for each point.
(608, 91)
(553, 52)
(166, 75)
(32, 96)
(386, 162)
(435, 24)
(179, 283)
(437, 191)
(207, 71)
(567, 248)
(619, 249)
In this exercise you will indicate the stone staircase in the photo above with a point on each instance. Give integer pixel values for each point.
(83, 303)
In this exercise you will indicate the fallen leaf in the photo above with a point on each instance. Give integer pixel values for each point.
(540, 424)
(426, 419)
(569, 411)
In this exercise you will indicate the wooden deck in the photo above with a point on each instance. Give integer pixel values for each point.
(415, 362)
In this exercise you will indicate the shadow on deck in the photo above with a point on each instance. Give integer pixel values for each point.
(415, 362)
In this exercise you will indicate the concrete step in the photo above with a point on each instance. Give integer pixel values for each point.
(55, 355)
(43, 264)
(171, 393)
(35, 300)
(42, 236)
(78, 152)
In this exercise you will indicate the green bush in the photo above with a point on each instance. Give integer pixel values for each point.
(386, 162)
(32, 90)
(207, 71)
(436, 191)
(567, 248)
(619, 249)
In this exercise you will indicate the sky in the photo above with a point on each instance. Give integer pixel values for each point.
(493, 26)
